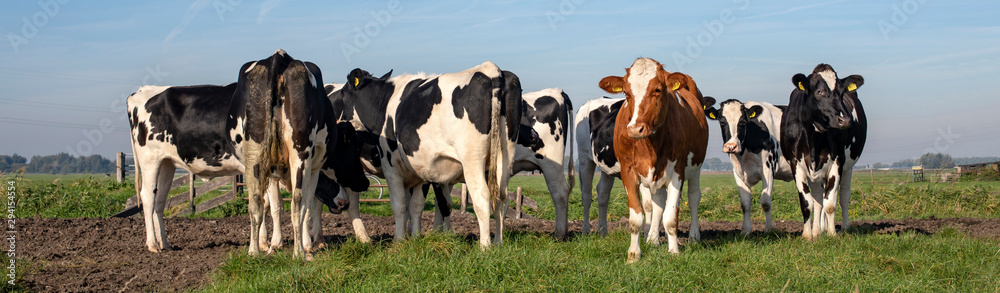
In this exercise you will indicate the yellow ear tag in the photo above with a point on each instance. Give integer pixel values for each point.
(356, 81)
(753, 114)
(677, 85)
(711, 115)
(852, 87)
(617, 89)
(801, 88)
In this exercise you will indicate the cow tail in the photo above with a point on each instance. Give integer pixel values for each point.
(569, 143)
(495, 156)
(271, 143)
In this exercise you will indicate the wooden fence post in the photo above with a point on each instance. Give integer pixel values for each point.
(191, 192)
(464, 197)
(519, 200)
(120, 166)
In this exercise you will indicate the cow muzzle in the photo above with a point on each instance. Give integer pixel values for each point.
(842, 122)
(639, 131)
(730, 148)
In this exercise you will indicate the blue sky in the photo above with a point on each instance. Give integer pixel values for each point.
(931, 68)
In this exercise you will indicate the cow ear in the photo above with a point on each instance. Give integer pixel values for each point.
(386, 75)
(853, 82)
(356, 79)
(676, 81)
(613, 84)
(712, 113)
(754, 111)
(801, 82)
(707, 102)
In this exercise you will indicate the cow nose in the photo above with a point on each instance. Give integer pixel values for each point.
(729, 148)
(843, 122)
(638, 131)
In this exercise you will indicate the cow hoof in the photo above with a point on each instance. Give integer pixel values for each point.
(654, 241)
(320, 246)
(264, 246)
(153, 249)
(308, 257)
(632, 258)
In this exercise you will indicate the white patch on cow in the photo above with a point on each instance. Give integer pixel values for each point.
(732, 113)
(280, 52)
(641, 73)
(830, 77)
(251, 67)
(312, 77)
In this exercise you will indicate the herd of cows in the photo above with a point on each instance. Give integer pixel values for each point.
(282, 127)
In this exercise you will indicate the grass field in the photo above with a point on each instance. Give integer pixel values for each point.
(528, 261)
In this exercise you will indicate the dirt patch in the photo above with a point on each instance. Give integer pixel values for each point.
(109, 255)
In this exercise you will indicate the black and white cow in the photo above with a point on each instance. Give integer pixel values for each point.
(823, 132)
(437, 129)
(750, 133)
(595, 126)
(185, 127)
(288, 130)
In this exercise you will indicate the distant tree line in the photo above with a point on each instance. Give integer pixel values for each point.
(936, 161)
(59, 163)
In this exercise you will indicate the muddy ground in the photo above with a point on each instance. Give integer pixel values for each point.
(109, 255)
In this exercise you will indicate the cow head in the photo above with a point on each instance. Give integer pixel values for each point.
(362, 99)
(733, 117)
(648, 89)
(823, 97)
(346, 159)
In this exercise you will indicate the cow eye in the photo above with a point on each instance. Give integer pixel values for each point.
(656, 90)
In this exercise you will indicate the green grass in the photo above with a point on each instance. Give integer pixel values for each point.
(946, 261)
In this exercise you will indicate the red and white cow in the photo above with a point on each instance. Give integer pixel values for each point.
(660, 140)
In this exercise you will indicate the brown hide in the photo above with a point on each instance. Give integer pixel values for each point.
(680, 129)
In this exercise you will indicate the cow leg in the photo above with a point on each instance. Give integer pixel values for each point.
(635, 217)
(767, 186)
(671, 220)
(166, 176)
(559, 190)
(655, 200)
(603, 196)
(274, 196)
(693, 177)
(805, 202)
(647, 210)
(354, 211)
(499, 214)
(255, 204)
(845, 199)
(817, 195)
(585, 167)
(745, 203)
(147, 195)
(832, 192)
(303, 192)
(417, 201)
(480, 196)
(444, 204)
(316, 228)
(399, 199)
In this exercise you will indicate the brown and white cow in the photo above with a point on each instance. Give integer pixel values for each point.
(660, 140)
